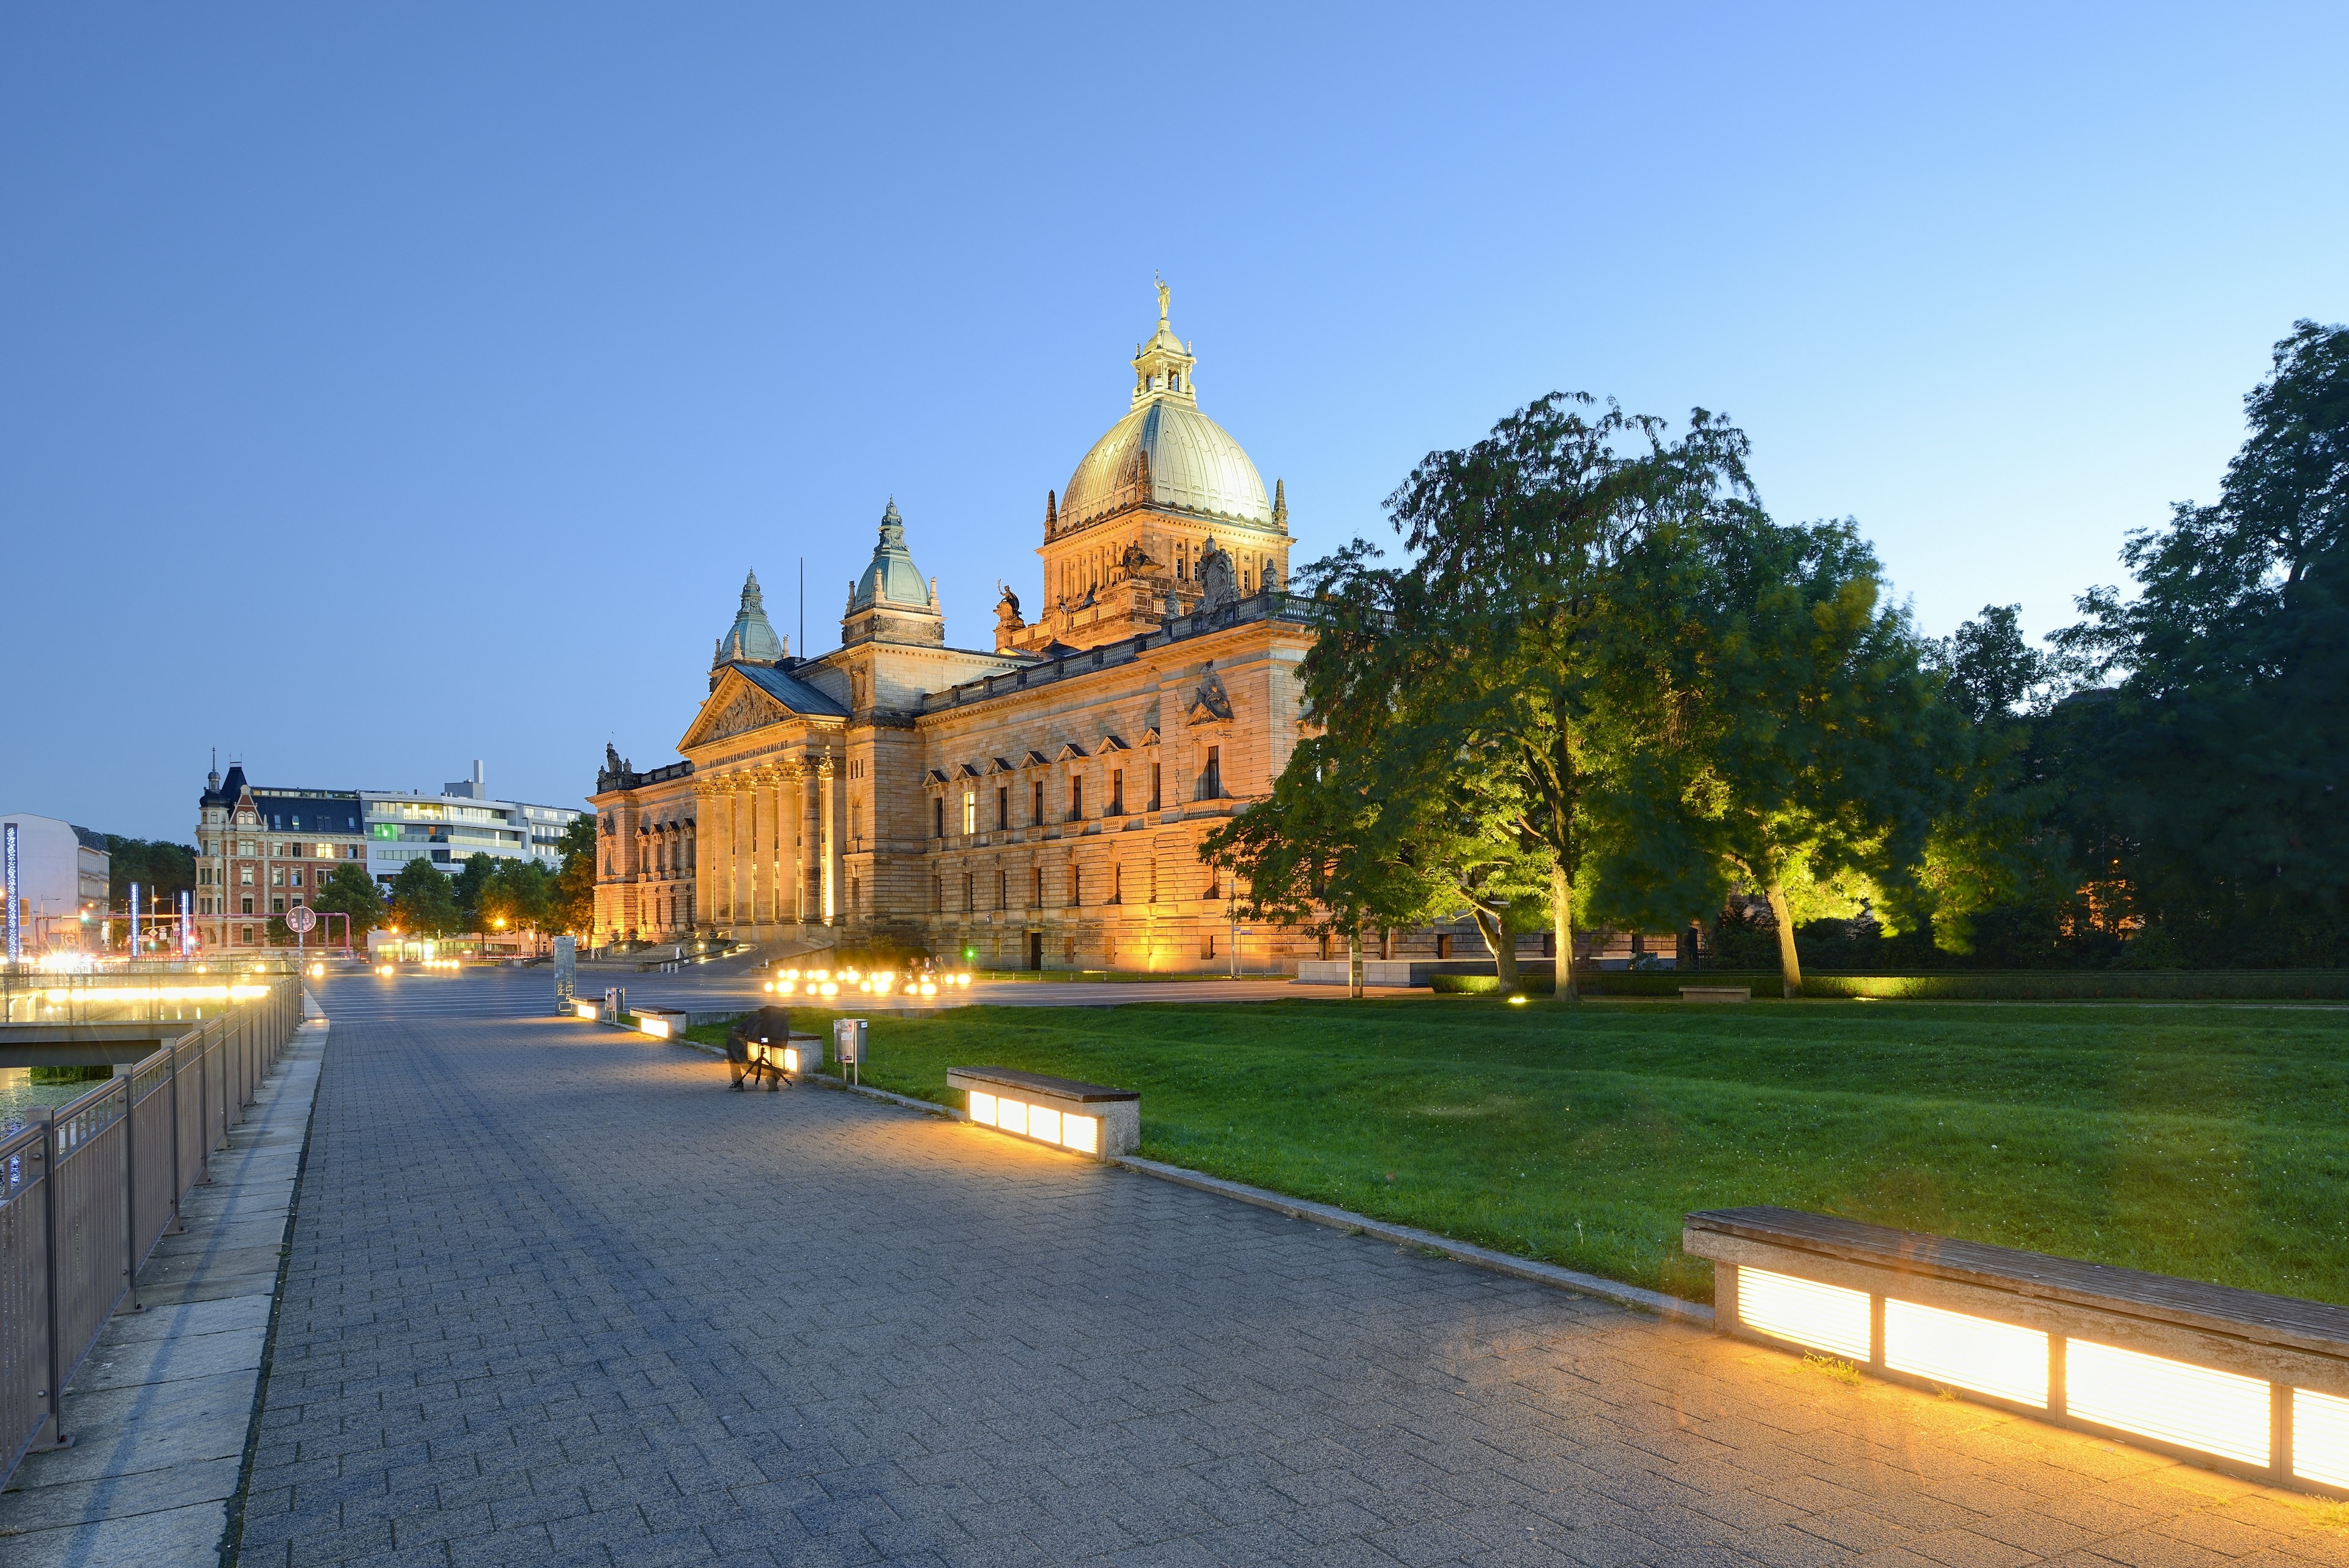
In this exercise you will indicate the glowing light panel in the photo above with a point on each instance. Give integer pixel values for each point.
(2173, 1401)
(1080, 1133)
(1825, 1317)
(2320, 1438)
(1966, 1352)
(586, 1010)
(657, 1027)
(1011, 1115)
(1044, 1123)
(982, 1109)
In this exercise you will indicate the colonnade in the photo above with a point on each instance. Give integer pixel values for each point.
(770, 844)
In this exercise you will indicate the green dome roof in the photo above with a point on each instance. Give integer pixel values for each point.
(891, 578)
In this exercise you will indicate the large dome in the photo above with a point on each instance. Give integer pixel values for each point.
(1166, 453)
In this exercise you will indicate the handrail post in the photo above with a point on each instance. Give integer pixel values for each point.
(177, 1225)
(203, 1110)
(47, 1116)
(129, 1082)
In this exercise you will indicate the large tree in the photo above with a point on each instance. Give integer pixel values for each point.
(518, 896)
(1323, 851)
(423, 904)
(348, 891)
(1545, 638)
(574, 884)
(2203, 780)
(1828, 748)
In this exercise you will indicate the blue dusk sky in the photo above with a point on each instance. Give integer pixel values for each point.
(387, 386)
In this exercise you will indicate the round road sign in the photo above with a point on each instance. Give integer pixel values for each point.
(302, 918)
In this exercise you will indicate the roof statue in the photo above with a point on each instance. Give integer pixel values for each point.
(1163, 295)
(1218, 583)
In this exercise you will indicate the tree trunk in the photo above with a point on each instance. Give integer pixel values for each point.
(1354, 964)
(1790, 967)
(1561, 915)
(1501, 942)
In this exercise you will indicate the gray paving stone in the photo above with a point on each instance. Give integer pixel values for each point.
(555, 1297)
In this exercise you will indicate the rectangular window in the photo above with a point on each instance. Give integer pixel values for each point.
(1003, 809)
(1211, 777)
(969, 890)
(938, 817)
(1117, 792)
(1002, 889)
(1036, 813)
(1076, 886)
(276, 905)
(970, 810)
(297, 877)
(1076, 798)
(246, 902)
(1036, 890)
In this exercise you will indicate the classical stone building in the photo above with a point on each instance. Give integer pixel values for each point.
(1037, 804)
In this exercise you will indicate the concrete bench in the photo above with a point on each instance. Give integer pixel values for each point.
(1716, 994)
(1084, 1118)
(2238, 1380)
(661, 1022)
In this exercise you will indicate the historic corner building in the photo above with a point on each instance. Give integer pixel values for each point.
(1037, 805)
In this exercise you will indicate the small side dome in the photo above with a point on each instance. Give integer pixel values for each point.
(891, 576)
(751, 639)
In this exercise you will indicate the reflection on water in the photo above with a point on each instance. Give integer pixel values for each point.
(17, 1092)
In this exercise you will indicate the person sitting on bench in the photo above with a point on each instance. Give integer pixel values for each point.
(754, 1047)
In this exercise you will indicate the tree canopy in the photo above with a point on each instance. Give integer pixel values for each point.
(424, 902)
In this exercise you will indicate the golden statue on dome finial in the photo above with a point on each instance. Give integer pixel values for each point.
(1163, 292)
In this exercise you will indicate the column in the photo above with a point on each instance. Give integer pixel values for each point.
(827, 779)
(701, 852)
(736, 859)
(732, 894)
(802, 835)
(762, 899)
(785, 904)
(710, 816)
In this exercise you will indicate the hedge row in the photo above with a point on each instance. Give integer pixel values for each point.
(1961, 985)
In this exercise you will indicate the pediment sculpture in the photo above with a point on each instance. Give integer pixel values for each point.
(1210, 704)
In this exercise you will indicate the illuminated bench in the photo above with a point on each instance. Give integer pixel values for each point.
(661, 1022)
(1084, 1118)
(2254, 1384)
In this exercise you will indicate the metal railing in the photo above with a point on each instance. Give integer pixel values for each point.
(87, 1188)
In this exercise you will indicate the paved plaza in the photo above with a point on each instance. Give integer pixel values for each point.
(555, 1296)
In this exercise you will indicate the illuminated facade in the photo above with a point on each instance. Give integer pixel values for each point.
(1035, 803)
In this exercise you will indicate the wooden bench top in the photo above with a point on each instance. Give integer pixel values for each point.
(2308, 1325)
(1039, 1084)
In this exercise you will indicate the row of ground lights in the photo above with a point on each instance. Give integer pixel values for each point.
(2175, 1402)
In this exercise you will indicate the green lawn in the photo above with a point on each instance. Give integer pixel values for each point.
(2206, 1141)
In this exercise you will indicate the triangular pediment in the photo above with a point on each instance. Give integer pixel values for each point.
(735, 708)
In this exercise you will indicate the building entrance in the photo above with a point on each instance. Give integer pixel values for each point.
(1036, 951)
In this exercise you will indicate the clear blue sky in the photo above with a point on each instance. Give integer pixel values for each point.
(382, 387)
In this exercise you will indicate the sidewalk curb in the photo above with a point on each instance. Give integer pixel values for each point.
(1639, 1299)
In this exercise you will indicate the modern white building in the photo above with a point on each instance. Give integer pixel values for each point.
(461, 822)
(62, 874)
